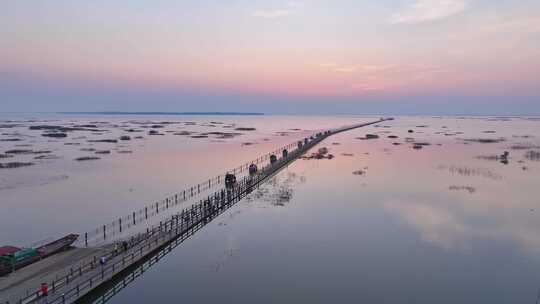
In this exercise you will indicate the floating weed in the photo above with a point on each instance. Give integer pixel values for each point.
(469, 189)
(471, 172)
(533, 155)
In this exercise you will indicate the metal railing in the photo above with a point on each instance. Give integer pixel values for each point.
(108, 232)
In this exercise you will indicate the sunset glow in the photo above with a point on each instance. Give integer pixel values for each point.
(340, 50)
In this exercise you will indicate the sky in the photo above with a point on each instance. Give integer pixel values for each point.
(476, 57)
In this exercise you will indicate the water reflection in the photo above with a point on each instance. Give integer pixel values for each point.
(129, 174)
(431, 225)
(435, 224)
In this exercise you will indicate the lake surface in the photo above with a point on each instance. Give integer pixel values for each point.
(448, 222)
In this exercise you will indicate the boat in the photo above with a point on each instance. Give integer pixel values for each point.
(57, 246)
(13, 258)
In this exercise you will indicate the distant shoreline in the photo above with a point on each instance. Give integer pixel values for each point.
(164, 113)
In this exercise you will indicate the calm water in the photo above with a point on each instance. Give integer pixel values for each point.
(379, 223)
(59, 195)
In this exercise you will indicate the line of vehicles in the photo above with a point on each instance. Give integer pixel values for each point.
(230, 179)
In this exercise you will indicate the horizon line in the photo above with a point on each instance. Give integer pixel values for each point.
(159, 113)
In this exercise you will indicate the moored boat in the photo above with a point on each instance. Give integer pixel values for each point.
(13, 258)
(56, 246)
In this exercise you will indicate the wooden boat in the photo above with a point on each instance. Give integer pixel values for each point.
(56, 246)
(12, 260)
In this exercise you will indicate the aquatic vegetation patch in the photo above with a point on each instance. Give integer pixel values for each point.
(359, 172)
(10, 139)
(471, 172)
(86, 126)
(245, 129)
(16, 134)
(469, 189)
(86, 158)
(9, 126)
(111, 141)
(182, 133)
(154, 132)
(223, 135)
(484, 140)
(13, 165)
(279, 190)
(18, 151)
(283, 133)
(133, 130)
(47, 157)
(26, 152)
(524, 146)
(322, 153)
(489, 157)
(533, 155)
(369, 136)
(54, 135)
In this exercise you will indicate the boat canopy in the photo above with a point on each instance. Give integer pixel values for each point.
(20, 255)
(8, 250)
